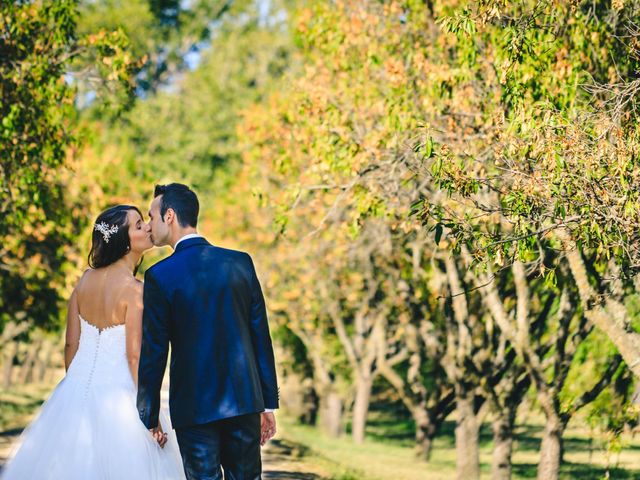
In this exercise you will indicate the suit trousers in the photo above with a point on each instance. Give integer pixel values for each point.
(232, 443)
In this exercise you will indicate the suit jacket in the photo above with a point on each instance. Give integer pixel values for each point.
(207, 303)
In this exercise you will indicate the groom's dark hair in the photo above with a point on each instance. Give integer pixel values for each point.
(182, 200)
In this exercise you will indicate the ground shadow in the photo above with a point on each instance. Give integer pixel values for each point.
(393, 426)
(529, 437)
(283, 475)
(281, 450)
(570, 471)
(11, 432)
(384, 428)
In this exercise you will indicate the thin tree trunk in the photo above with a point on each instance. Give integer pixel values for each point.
(361, 407)
(310, 406)
(467, 441)
(502, 446)
(10, 352)
(26, 371)
(550, 449)
(610, 317)
(426, 431)
(330, 407)
(331, 410)
(43, 361)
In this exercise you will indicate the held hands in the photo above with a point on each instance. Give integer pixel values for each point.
(267, 427)
(267, 430)
(158, 435)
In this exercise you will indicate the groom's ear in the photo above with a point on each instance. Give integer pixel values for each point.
(169, 216)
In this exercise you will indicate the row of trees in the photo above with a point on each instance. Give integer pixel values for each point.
(455, 182)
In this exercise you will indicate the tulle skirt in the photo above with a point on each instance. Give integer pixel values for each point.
(82, 434)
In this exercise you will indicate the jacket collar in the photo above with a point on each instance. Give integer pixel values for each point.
(190, 242)
(186, 237)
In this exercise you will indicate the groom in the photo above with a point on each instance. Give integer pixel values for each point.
(207, 303)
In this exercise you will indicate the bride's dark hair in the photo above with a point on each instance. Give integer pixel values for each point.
(110, 239)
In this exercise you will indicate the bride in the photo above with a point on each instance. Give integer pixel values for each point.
(89, 428)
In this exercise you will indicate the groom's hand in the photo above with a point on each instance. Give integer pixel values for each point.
(267, 426)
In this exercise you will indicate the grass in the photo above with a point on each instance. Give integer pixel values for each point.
(17, 406)
(19, 403)
(388, 452)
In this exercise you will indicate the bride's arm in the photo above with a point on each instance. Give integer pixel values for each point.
(133, 328)
(72, 335)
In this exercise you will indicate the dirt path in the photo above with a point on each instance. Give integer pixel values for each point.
(284, 460)
(6, 441)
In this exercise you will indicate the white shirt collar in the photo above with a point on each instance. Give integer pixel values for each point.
(187, 237)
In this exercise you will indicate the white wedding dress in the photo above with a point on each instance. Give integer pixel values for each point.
(89, 428)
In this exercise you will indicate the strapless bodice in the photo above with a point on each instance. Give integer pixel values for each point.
(101, 357)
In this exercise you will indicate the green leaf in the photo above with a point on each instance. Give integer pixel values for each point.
(428, 148)
(439, 230)
(416, 207)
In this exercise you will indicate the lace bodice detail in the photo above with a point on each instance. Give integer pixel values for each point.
(101, 357)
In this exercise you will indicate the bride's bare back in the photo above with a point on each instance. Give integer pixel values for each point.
(104, 296)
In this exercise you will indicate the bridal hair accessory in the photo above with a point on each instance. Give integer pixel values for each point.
(106, 230)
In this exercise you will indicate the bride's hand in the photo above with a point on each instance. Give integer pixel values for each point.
(159, 435)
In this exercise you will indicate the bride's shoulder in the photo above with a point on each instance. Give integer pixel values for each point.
(83, 278)
(134, 286)
(87, 273)
(131, 293)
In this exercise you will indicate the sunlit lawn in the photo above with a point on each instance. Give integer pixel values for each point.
(18, 404)
(388, 452)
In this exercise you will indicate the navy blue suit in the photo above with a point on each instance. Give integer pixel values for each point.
(207, 303)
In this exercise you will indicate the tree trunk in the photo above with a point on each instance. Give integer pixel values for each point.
(425, 433)
(10, 352)
(43, 361)
(331, 413)
(502, 446)
(26, 369)
(310, 404)
(467, 433)
(361, 408)
(612, 320)
(550, 449)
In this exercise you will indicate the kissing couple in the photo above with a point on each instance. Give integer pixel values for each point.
(104, 419)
